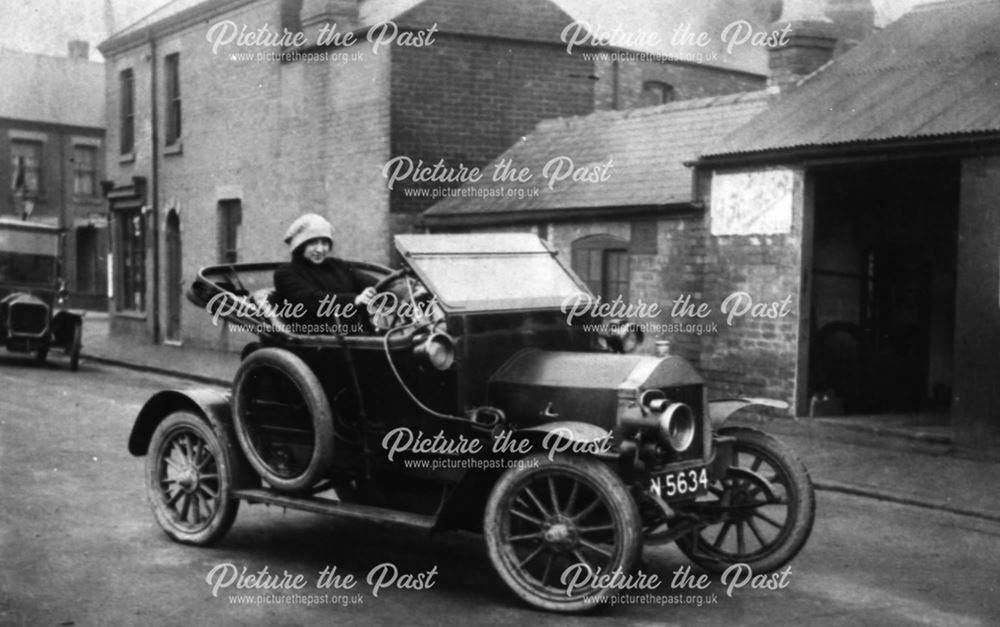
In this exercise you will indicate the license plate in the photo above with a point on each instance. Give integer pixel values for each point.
(680, 483)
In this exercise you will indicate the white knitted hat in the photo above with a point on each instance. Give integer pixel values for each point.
(307, 227)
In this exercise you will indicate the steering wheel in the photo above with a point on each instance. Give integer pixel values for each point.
(388, 279)
(395, 309)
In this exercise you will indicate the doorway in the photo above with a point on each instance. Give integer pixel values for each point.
(883, 294)
(174, 278)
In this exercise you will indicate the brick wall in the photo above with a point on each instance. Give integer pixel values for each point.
(467, 99)
(663, 258)
(58, 204)
(283, 138)
(754, 356)
(121, 168)
(674, 258)
(977, 329)
(658, 250)
(689, 81)
(243, 138)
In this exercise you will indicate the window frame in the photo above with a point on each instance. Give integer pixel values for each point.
(38, 169)
(126, 86)
(130, 260)
(172, 76)
(663, 91)
(92, 174)
(229, 218)
(592, 258)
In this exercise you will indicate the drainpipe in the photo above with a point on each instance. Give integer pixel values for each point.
(66, 188)
(155, 191)
(614, 85)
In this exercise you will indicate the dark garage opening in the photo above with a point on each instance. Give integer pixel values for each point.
(883, 293)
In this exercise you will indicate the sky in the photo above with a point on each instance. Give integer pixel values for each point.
(45, 26)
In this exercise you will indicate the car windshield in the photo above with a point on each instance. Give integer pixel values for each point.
(505, 271)
(28, 255)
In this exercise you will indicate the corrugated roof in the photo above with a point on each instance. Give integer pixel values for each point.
(647, 149)
(935, 72)
(43, 88)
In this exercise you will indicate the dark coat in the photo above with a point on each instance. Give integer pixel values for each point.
(302, 281)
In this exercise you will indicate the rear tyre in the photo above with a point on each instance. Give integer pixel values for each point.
(761, 512)
(283, 419)
(189, 480)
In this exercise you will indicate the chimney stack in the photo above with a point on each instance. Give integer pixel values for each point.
(812, 41)
(855, 20)
(79, 49)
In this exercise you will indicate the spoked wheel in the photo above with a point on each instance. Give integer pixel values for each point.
(761, 511)
(189, 479)
(552, 523)
(282, 419)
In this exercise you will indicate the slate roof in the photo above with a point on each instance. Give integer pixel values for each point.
(369, 12)
(647, 148)
(545, 21)
(59, 90)
(533, 20)
(934, 73)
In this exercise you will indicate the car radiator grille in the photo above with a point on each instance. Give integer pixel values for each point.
(27, 318)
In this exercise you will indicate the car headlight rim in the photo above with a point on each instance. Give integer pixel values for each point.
(437, 349)
(678, 426)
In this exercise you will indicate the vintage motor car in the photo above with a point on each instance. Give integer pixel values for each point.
(473, 403)
(31, 290)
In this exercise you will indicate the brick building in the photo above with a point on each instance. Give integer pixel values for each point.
(637, 229)
(863, 197)
(217, 144)
(52, 147)
(896, 146)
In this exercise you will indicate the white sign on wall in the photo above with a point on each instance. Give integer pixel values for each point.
(752, 203)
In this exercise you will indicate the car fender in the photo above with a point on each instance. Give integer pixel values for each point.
(64, 322)
(71, 315)
(212, 405)
(721, 409)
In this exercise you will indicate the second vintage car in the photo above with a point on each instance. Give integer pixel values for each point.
(31, 291)
(470, 401)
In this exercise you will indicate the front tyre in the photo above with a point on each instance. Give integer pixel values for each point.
(189, 480)
(760, 513)
(75, 346)
(546, 516)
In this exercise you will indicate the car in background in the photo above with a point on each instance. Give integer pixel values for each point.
(32, 320)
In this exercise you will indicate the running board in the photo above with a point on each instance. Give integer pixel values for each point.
(341, 509)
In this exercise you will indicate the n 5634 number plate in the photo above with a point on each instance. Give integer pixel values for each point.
(691, 482)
